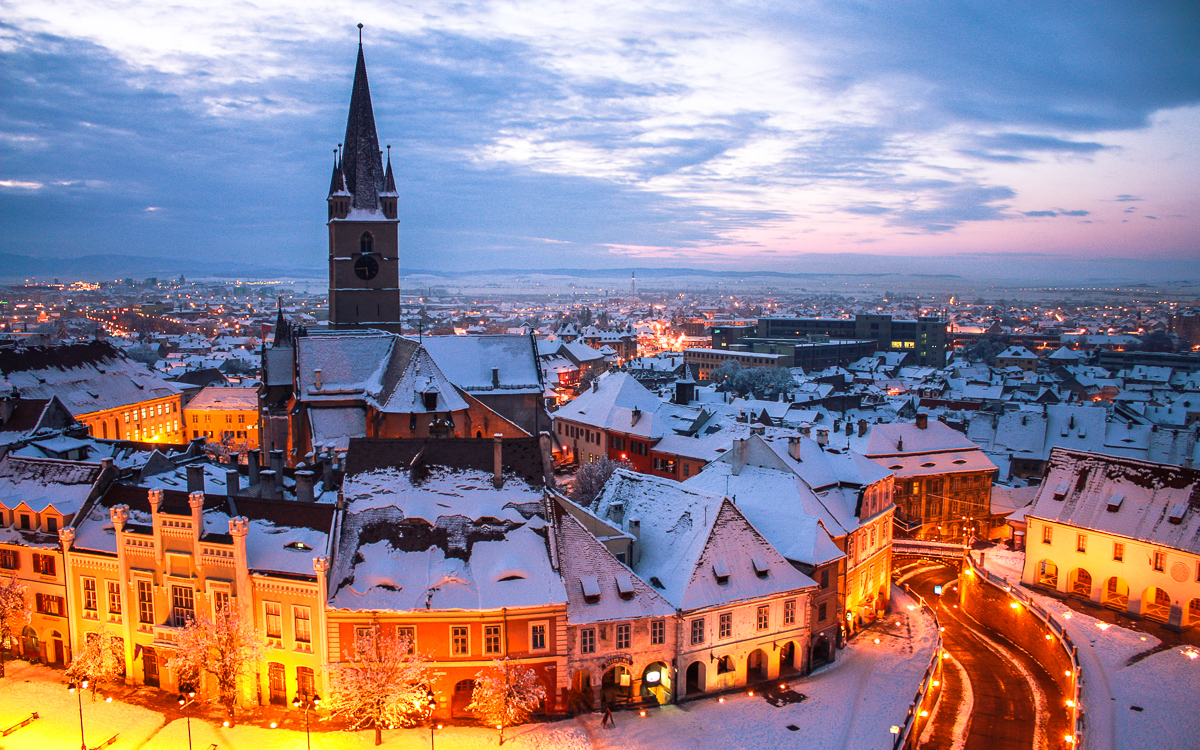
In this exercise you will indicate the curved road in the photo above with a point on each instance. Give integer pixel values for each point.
(1000, 698)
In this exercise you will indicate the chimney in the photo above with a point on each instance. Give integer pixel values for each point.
(635, 551)
(794, 446)
(495, 377)
(268, 484)
(849, 428)
(637, 414)
(304, 486)
(327, 470)
(922, 421)
(233, 483)
(195, 478)
(277, 463)
(739, 456)
(595, 386)
(822, 436)
(837, 425)
(900, 443)
(497, 466)
(806, 430)
(252, 457)
(862, 428)
(758, 429)
(317, 380)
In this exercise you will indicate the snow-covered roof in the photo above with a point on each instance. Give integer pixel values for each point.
(43, 484)
(446, 541)
(1150, 502)
(98, 380)
(468, 361)
(900, 438)
(688, 540)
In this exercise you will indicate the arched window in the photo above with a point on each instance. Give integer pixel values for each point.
(366, 243)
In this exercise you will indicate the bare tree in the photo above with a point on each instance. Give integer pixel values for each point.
(14, 615)
(381, 682)
(591, 478)
(102, 659)
(505, 694)
(228, 647)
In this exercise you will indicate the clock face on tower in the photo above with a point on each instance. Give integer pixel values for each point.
(366, 267)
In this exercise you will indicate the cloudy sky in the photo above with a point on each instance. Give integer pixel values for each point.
(609, 134)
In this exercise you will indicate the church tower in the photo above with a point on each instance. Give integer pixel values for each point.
(364, 272)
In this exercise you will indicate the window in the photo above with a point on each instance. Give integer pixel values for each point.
(43, 564)
(9, 559)
(306, 684)
(90, 606)
(822, 612)
(1081, 542)
(697, 631)
(220, 601)
(587, 641)
(366, 243)
(623, 635)
(52, 525)
(491, 639)
(47, 604)
(764, 617)
(725, 625)
(789, 612)
(1047, 535)
(458, 641)
(405, 633)
(114, 598)
(182, 605)
(825, 578)
(537, 636)
(241, 419)
(658, 632)
(302, 618)
(274, 614)
(1119, 551)
(1160, 561)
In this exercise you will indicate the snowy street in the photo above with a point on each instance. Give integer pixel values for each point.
(851, 704)
(1148, 704)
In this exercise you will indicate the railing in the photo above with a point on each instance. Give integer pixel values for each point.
(905, 736)
(928, 548)
(1064, 639)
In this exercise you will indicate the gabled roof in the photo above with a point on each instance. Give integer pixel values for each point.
(614, 395)
(468, 361)
(622, 595)
(885, 439)
(43, 484)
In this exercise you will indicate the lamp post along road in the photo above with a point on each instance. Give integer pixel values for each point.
(78, 691)
(185, 701)
(307, 704)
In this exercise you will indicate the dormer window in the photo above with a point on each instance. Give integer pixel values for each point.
(1178, 510)
(298, 546)
(591, 588)
(624, 585)
(1114, 502)
(721, 572)
(366, 243)
(429, 399)
(761, 567)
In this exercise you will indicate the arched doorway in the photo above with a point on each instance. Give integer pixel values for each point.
(756, 666)
(1115, 594)
(1047, 573)
(1193, 612)
(30, 648)
(461, 698)
(822, 652)
(616, 687)
(694, 679)
(1156, 604)
(656, 683)
(1079, 583)
(581, 698)
(787, 658)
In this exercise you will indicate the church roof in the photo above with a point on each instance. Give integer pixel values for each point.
(362, 164)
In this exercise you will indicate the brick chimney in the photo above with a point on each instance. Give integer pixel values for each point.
(922, 421)
(252, 460)
(304, 486)
(794, 446)
(497, 460)
(195, 477)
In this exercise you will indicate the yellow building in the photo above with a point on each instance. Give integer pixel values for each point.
(226, 415)
(141, 563)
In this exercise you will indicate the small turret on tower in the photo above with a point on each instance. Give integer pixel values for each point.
(387, 198)
(339, 196)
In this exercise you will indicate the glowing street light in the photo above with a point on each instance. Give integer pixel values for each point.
(78, 691)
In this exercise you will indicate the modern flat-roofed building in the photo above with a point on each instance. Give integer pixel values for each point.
(925, 337)
(706, 360)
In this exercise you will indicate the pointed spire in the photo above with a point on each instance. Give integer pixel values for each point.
(283, 331)
(389, 180)
(337, 183)
(362, 165)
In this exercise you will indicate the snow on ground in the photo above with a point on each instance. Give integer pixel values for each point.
(1163, 685)
(851, 703)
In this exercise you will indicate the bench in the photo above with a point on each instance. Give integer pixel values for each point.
(106, 743)
(22, 723)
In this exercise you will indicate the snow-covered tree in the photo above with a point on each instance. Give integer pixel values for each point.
(591, 478)
(505, 694)
(14, 614)
(102, 659)
(381, 682)
(228, 647)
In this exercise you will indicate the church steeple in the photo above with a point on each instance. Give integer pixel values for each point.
(362, 164)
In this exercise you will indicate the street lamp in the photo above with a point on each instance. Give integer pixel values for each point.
(78, 691)
(307, 703)
(185, 701)
(433, 723)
